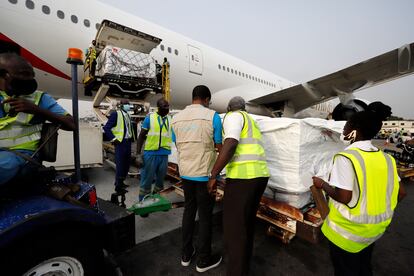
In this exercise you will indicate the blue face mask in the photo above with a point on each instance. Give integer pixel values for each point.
(126, 107)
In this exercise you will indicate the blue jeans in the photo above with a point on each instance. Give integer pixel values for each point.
(10, 164)
(155, 168)
(122, 160)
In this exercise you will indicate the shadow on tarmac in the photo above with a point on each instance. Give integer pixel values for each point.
(393, 253)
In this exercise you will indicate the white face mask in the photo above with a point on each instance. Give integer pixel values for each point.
(348, 139)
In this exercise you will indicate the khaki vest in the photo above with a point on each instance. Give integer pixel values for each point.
(193, 128)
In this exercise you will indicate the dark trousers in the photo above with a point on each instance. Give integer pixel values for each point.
(347, 264)
(197, 199)
(241, 201)
(122, 160)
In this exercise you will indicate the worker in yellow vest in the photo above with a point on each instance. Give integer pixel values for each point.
(91, 58)
(156, 133)
(119, 129)
(23, 111)
(246, 179)
(363, 192)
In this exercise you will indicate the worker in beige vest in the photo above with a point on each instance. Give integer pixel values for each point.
(197, 132)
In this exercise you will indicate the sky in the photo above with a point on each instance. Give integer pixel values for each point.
(297, 40)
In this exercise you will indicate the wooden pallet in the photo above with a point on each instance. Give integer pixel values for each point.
(287, 221)
(404, 172)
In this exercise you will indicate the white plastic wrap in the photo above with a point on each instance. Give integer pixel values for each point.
(124, 62)
(297, 149)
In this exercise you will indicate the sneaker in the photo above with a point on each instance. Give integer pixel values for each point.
(186, 259)
(212, 262)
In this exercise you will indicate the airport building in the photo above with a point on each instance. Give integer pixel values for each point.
(398, 125)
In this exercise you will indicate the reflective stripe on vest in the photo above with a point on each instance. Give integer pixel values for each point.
(118, 129)
(21, 117)
(249, 160)
(158, 137)
(353, 229)
(17, 132)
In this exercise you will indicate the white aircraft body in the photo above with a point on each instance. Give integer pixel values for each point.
(43, 30)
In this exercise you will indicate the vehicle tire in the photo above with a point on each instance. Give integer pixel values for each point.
(61, 251)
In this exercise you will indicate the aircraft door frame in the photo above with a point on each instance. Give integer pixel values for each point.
(195, 59)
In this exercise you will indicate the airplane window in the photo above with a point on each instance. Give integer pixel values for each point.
(228, 70)
(219, 66)
(30, 4)
(231, 70)
(239, 73)
(243, 75)
(87, 23)
(235, 72)
(224, 68)
(13, 1)
(74, 19)
(176, 52)
(45, 9)
(60, 14)
(162, 47)
(169, 50)
(97, 26)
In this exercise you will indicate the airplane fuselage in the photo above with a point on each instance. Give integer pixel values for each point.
(46, 29)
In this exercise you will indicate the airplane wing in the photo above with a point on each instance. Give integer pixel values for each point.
(391, 65)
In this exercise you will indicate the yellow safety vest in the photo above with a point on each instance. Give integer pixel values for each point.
(16, 132)
(118, 130)
(354, 228)
(249, 160)
(158, 137)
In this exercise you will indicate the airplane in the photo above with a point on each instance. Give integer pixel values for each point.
(42, 31)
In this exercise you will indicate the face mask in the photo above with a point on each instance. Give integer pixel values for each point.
(348, 139)
(126, 107)
(22, 87)
(162, 112)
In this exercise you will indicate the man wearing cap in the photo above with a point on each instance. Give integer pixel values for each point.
(246, 179)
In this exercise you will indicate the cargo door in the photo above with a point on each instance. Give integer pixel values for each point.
(195, 60)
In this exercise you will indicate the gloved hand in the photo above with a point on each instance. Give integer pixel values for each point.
(139, 161)
(115, 142)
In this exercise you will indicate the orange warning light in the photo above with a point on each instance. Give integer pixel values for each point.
(75, 56)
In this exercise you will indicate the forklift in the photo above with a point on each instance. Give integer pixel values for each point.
(119, 65)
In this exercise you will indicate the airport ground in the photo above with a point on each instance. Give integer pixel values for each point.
(158, 239)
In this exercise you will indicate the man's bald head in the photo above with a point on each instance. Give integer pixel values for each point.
(163, 107)
(16, 65)
(236, 103)
(162, 102)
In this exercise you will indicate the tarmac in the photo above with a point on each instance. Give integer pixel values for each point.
(158, 241)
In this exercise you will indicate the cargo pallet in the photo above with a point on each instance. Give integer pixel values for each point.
(405, 172)
(286, 221)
